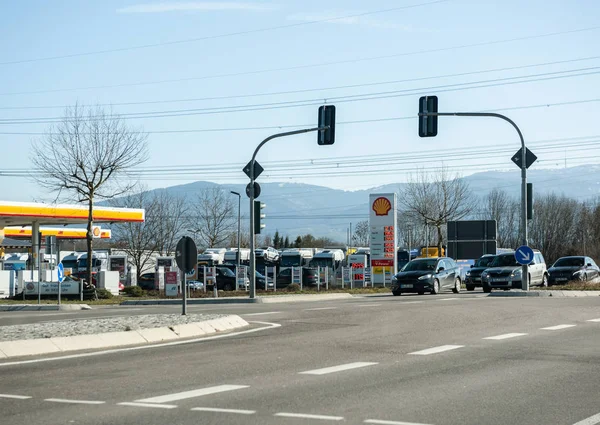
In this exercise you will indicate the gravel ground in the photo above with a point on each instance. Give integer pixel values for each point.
(94, 326)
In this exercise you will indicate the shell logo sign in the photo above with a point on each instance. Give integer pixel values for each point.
(96, 231)
(382, 206)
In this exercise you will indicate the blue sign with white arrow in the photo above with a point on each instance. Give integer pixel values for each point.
(524, 255)
(61, 272)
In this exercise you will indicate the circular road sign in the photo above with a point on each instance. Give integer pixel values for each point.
(524, 255)
(256, 190)
(186, 254)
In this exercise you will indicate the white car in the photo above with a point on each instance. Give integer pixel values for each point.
(268, 253)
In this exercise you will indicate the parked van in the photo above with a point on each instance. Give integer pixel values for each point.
(231, 256)
(295, 257)
(331, 258)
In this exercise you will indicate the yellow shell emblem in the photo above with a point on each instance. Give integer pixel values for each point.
(382, 206)
(96, 231)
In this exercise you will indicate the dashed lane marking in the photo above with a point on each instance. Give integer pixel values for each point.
(557, 327)
(339, 368)
(15, 396)
(217, 410)
(191, 394)
(505, 336)
(156, 406)
(66, 400)
(368, 305)
(592, 420)
(594, 320)
(380, 422)
(307, 416)
(449, 299)
(435, 350)
(265, 312)
(320, 308)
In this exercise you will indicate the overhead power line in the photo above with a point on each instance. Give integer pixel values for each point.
(213, 37)
(340, 99)
(308, 90)
(314, 65)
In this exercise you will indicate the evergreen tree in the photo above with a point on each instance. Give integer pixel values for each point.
(276, 240)
(286, 242)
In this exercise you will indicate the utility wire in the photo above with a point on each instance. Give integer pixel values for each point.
(308, 90)
(213, 37)
(313, 102)
(314, 65)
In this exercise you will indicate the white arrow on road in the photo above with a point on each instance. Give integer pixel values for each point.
(525, 257)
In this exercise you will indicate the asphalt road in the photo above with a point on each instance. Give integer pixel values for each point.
(448, 359)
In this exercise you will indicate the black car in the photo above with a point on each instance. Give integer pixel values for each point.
(578, 268)
(309, 277)
(473, 275)
(147, 281)
(260, 278)
(427, 275)
(226, 280)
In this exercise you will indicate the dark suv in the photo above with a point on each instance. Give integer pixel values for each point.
(473, 275)
(225, 279)
(427, 275)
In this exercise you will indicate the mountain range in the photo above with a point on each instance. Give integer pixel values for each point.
(297, 209)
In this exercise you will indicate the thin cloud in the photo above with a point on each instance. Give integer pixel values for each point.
(191, 6)
(330, 18)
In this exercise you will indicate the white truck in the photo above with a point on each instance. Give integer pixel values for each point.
(295, 257)
(212, 256)
(231, 256)
(99, 262)
(330, 258)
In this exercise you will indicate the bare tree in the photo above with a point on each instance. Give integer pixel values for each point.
(362, 233)
(499, 206)
(88, 155)
(214, 219)
(437, 198)
(137, 240)
(169, 215)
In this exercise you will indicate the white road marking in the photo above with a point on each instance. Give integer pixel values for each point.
(144, 347)
(157, 406)
(65, 400)
(215, 409)
(505, 336)
(191, 394)
(436, 350)
(592, 420)
(448, 299)
(320, 308)
(368, 305)
(306, 416)
(258, 314)
(594, 320)
(557, 327)
(15, 396)
(380, 422)
(338, 368)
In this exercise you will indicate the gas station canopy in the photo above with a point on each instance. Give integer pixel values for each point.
(26, 213)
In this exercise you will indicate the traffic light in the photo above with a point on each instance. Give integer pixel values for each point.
(529, 201)
(326, 119)
(258, 216)
(428, 124)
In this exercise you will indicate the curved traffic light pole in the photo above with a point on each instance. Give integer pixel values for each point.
(524, 268)
(251, 196)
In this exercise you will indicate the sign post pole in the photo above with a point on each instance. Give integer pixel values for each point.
(186, 255)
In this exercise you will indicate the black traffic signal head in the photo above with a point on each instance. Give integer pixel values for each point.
(258, 216)
(326, 119)
(428, 124)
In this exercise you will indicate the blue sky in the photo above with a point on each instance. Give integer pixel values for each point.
(34, 30)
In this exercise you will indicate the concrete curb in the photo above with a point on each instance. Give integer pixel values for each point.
(557, 294)
(43, 307)
(30, 347)
(225, 300)
(305, 297)
(235, 300)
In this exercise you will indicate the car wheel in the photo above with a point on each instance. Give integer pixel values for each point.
(456, 288)
(421, 293)
(470, 287)
(486, 288)
(436, 287)
(396, 293)
(228, 287)
(544, 281)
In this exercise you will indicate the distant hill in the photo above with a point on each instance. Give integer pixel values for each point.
(296, 209)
